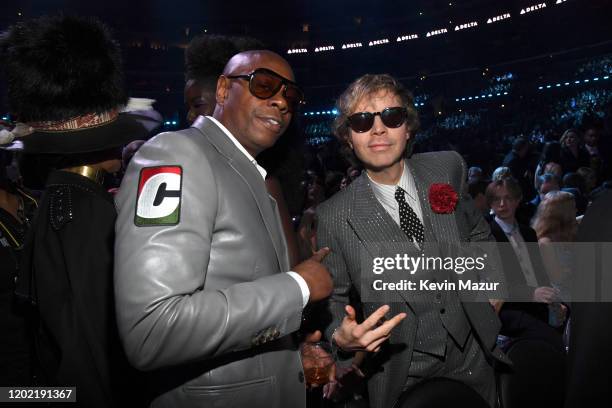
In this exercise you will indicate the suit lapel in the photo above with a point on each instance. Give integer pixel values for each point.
(375, 229)
(252, 178)
(370, 221)
(438, 227)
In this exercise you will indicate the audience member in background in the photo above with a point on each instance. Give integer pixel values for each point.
(589, 358)
(333, 179)
(477, 190)
(526, 314)
(67, 269)
(574, 183)
(501, 173)
(551, 153)
(475, 174)
(518, 161)
(597, 161)
(17, 208)
(205, 58)
(546, 182)
(555, 223)
(307, 229)
(573, 155)
(351, 174)
(590, 179)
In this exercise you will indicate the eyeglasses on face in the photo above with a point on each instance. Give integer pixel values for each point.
(393, 117)
(265, 83)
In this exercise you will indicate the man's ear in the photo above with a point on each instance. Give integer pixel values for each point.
(222, 90)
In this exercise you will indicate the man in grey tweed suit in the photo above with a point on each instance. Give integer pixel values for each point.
(440, 335)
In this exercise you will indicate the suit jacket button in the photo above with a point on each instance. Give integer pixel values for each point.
(301, 377)
(442, 311)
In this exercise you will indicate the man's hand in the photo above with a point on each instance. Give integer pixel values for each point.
(347, 378)
(316, 276)
(315, 356)
(545, 294)
(497, 304)
(369, 335)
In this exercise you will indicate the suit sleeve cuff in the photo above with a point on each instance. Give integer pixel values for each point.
(303, 287)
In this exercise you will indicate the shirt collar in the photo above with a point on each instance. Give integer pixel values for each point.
(406, 182)
(507, 228)
(240, 147)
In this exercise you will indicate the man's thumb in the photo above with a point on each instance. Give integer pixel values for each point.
(320, 254)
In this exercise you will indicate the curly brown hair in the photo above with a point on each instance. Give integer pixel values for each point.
(556, 217)
(366, 86)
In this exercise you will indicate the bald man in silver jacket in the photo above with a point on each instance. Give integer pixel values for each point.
(202, 297)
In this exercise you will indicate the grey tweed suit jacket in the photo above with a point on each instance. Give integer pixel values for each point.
(353, 222)
(204, 303)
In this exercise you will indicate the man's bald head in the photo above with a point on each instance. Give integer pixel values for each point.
(254, 121)
(247, 61)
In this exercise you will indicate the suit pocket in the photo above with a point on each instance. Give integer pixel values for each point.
(253, 393)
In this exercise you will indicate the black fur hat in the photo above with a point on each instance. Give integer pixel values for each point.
(60, 68)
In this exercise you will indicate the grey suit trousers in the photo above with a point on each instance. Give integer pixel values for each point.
(467, 365)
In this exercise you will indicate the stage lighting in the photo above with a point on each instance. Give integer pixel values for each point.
(466, 25)
(436, 32)
(498, 18)
(407, 37)
(325, 48)
(533, 8)
(378, 42)
(352, 45)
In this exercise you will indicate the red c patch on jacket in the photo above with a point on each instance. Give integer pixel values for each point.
(159, 196)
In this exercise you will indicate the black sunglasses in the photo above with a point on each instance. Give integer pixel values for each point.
(264, 84)
(361, 122)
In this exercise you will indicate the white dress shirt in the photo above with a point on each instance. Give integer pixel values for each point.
(385, 194)
(301, 282)
(520, 249)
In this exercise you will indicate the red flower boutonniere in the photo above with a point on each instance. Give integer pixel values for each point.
(442, 198)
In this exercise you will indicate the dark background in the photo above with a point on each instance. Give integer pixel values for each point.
(541, 47)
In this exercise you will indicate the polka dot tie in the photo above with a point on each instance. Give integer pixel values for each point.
(409, 222)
